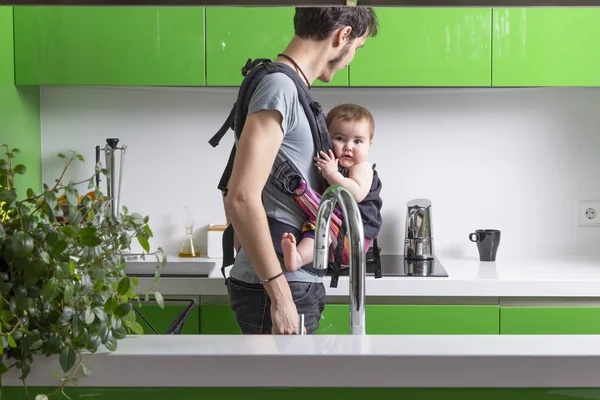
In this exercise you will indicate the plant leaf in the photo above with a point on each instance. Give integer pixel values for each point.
(91, 241)
(45, 257)
(115, 322)
(120, 333)
(22, 244)
(105, 334)
(89, 316)
(60, 246)
(111, 344)
(159, 299)
(75, 217)
(50, 199)
(148, 231)
(20, 169)
(67, 358)
(41, 397)
(122, 310)
(8, 195)
(11, 341)
(86, 370)
(50, 289)
(87, 231)
(68, 292)
(136, 328)
(76, 326)
(34, 271)
(144, 243)
(110, 305)
(68, 230)
(124, 286)
(3, 368)
(72, 195)
(100, 314)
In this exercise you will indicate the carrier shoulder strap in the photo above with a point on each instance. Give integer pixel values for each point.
(253, 72)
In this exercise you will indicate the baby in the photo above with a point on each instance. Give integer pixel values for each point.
(351, 128)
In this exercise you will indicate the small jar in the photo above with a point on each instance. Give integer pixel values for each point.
(214, 240)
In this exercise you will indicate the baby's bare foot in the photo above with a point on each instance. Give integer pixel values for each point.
(291, 257)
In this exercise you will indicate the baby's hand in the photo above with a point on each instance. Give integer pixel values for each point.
(328, 164)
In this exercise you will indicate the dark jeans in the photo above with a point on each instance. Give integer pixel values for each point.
(252, 306)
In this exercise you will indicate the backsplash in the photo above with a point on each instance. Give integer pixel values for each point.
(518, 160)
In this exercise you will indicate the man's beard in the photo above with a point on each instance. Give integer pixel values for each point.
(341, 55)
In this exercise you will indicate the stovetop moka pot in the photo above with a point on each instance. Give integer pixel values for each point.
(418, 239)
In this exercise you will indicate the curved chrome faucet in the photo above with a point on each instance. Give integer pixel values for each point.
(358, 261)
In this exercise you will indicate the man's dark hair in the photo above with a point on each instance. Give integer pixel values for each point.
(318, 23)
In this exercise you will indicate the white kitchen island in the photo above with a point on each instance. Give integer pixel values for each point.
(420, 367)
(416, 367)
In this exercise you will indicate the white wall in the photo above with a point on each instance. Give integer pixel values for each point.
(518, 160)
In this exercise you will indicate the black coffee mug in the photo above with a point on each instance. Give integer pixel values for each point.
(487, 241)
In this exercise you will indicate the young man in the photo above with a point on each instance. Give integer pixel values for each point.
(263, 298)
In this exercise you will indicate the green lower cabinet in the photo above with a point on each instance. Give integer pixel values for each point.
(550, 320)
(218, 319)
(136, 46)
(380, 319)
(194, 393)
(233, 35)
(426, 47)
(546, 46)
(414, 319)
(161, 318)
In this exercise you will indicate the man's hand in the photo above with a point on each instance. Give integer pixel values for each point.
(284, 319)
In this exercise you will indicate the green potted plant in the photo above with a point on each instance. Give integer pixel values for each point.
(63, 286)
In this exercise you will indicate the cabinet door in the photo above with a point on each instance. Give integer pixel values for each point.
(414, 319)
(218, 319)
(426, 47)
(546, 47)
(335, 320)
(233, 35)
(19, 112)
(432, 319)
(154, 46)
(550, 320)
(161, 318)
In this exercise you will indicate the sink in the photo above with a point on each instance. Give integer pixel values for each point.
(173, 269)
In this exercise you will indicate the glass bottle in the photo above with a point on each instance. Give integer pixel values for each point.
(189, 248)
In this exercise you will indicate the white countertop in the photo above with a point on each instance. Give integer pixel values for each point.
(337, 361)
(551, 276)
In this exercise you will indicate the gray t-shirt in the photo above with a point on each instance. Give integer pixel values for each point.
(278, 92)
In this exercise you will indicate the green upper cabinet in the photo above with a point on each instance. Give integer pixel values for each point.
(426, 47)
(233, 35)
(19, 112)
(546, 47)
(138, 46)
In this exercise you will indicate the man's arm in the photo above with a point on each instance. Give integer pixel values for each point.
(255, 154)
(236, 242)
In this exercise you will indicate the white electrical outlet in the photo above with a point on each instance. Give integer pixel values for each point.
(589, 213)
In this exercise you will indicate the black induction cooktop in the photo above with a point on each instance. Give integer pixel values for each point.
(397, 265)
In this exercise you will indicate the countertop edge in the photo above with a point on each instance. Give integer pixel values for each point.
(338, 361)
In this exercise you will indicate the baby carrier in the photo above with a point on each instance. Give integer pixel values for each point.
(283, 175)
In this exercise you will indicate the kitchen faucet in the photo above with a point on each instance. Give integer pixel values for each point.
(357, 269)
